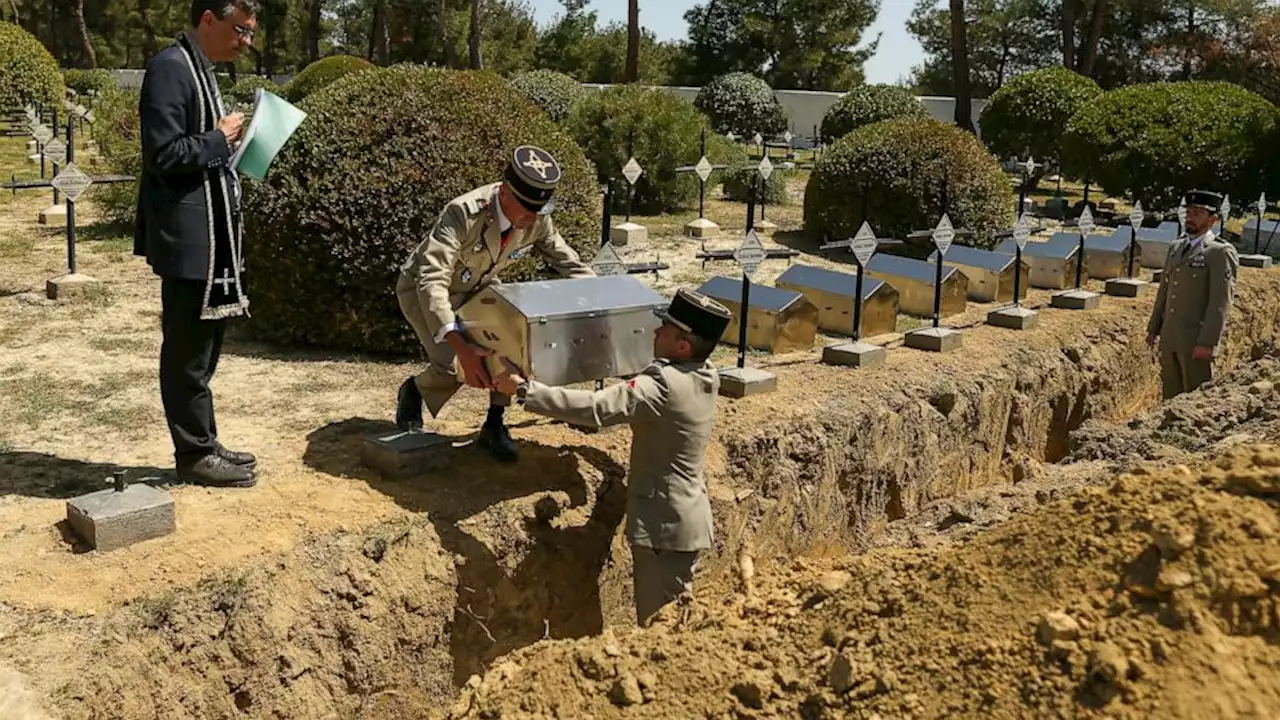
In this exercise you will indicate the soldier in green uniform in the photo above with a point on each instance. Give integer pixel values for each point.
(671, 408)
(1194, 300)
(474, 238)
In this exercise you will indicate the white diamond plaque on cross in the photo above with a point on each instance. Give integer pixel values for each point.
(56, 151)
(750, 253)
(1136, 216)
(72, 182)
(632, 171)
(787, 136)
(756, 139)
(703, 168)
(607, 262)
(1086, 221)
(80, 110)
(943, 234)
(1182, 213)
(765, 167)
(42, 134)
(1262, 203)
(1226, 207)
(1022, 231)
(88, 117)
(864, 244)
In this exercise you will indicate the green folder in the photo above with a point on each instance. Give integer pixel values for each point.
(274, 120)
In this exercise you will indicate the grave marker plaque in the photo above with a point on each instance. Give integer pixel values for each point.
(1257, 259)
(72, 182)
(1079, 298)
(857, 353)
(938, 338)
(1130, 286)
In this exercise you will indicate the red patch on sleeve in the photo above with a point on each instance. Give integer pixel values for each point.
(631, 383)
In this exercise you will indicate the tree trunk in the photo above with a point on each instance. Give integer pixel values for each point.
(960, 66)
(1089, 51)
(1069, 34)
(90, 58)
(1004, 63)
(473, 37)
(1191, 31)
(376, 30)
(442, 25)
(632, 73)
(149, 45)
(17, 16)
(313, 32)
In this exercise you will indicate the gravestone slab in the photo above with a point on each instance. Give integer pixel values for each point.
(738, 382)
(702, 228)
(1255, 261)
(53, 215)
(1013, 318)
(70, 287)
(399, 454)
(1126, 287)
(1076, 300)
(627, 233)
(854, 354)
(939, 339)
(111, 519)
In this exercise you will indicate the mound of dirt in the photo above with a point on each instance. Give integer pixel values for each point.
(1153, 596)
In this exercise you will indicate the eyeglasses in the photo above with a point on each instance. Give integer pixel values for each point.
(244, 32)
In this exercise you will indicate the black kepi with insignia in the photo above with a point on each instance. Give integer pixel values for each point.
(532, 174)
(1205, 199)
(696, 313)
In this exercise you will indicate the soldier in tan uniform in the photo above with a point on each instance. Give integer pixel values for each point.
(474, 238)
(1194, 300)
(671, 407)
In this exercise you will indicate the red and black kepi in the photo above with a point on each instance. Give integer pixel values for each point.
(696, 313)
(532, 174)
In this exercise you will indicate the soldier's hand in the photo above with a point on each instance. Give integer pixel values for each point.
(232, 126)
(1151, 339)
(1202, 352)
(509, 381)
(471, 357)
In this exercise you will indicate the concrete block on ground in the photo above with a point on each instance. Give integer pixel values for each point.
(1076, 300)
(1156, 276)
(702, 228)
(766, 228)
(110, 519)
(1255, 261)
(854, 354)
(1013, 318)
(71, 286)
(1127, 287)
(399, 454)
(740, 382)
(628, 232)
(53, 215)
(939, 339)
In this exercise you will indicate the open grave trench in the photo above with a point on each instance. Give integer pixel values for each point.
(390, 619)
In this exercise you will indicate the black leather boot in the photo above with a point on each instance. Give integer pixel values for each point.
(215, 471)
(495, 438)
(409, 407)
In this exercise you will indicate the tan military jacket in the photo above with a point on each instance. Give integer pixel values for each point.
(1194, 298)
(671, 408)
(464, 252)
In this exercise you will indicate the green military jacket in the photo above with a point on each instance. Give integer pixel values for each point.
(1194, 298)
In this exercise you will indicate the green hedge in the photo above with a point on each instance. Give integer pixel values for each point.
(117, 132)
(1155, 141)
(82, 81)
(668, 132)
(742, 174)
(246, 88)
(556, 93)
(360, 184)
(28, 73)
(1028, 115)
(867, 104)
(320, 73)
(899, 167)
(742, 104)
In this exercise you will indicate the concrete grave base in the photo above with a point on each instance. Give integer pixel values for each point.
(70, 287)
(1127, 287)
(400, 454)
(1156, 276)
(740, 382)
(1076, 300)
(628, 232)
(53, 215)
(1013, 318)
(854, 354)
(32, 146)
(1255, 261)
(702, 228)
(109, 520)
(939, 339)
(764, 227)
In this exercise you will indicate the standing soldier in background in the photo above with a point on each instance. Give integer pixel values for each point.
(1190, 314)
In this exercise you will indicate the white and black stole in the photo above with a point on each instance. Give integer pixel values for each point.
(224, 294)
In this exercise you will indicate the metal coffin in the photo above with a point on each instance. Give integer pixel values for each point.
(1107, 256)
(1270, 232)
(990, 274)
(1052, 263)
(778, 321)
(1154, 243)
(832, 293)
(567, 331)
(913, 279)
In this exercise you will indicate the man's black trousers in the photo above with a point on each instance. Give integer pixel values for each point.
(188, 359)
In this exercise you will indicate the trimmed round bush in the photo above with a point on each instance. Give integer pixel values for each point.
(1028, 115)
(118, 133)
(82, 81)
(867, 104)
(1154, 142)
(28, 73)
(361, 183)
(668, 135)
(246, 88)
(740, 176)
(320, 73)
(556, 93)
(742, 104)
(895, 169)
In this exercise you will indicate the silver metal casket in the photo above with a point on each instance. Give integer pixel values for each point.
(832, 293)
(779, 321)
(990, 273)
(567, 331)
(913, 279)
(1107, 256)
(1270, 234)
(1053, 263)
(1155, 243)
